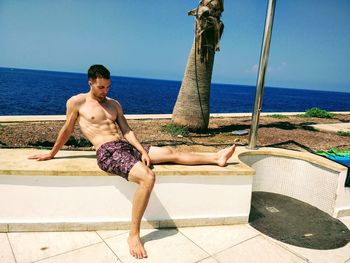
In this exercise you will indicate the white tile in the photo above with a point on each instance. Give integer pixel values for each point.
(253, 229)
(256, 250)
(345, 220)
(208, 260)
(92, 254)
(33, 246)
(316, 255)
(104, 234)
(320, 256)
(215, 239)
(167, 245)
(5, 250)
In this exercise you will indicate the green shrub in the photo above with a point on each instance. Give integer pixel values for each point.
(174, 130)
(318, 113)
(341, 133)
(279, 116)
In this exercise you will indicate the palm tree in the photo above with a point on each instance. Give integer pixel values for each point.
(192, 105)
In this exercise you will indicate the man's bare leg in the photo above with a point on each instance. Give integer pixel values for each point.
(167, 154)
(145, 179)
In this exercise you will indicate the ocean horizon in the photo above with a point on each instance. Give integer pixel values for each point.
(40, 92)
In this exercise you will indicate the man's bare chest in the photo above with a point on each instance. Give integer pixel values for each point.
(97, 113)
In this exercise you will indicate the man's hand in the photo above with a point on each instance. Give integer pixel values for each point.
(146, 160)
(41, 157)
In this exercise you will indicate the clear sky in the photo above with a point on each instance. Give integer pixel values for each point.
(310, 45)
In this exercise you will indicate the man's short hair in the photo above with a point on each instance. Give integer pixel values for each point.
(98, 71)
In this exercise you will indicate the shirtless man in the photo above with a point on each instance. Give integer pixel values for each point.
(98, 116)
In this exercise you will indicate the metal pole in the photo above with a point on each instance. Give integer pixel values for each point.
(264, 57)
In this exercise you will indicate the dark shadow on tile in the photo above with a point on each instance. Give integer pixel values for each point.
(159, 234)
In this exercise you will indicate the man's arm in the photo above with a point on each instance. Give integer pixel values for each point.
(65, 132)
(130, 136)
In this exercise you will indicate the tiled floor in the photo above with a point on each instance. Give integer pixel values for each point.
(238, 243)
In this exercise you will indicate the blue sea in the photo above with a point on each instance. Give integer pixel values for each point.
(36, 92)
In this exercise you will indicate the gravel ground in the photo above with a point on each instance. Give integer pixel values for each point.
(292, 133)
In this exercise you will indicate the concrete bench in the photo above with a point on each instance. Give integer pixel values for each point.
(70, 192)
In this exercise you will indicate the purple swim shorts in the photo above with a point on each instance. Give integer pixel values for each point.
(118, 157)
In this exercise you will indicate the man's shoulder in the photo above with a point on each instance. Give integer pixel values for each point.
(77, 99)
(114, 102)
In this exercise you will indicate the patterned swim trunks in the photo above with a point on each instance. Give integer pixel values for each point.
(118, 157)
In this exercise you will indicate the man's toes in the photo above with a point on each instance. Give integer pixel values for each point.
(134, 253)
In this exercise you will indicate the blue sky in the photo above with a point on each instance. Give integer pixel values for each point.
(152, 39)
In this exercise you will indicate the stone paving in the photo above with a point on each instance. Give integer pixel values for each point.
(225, 244)
(333, 127)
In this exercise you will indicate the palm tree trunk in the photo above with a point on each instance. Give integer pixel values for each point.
(192, 106)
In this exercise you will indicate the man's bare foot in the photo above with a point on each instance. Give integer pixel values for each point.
(136, 248)
(225, 154)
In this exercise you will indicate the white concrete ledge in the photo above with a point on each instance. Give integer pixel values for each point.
(70, 192)
(33, 202)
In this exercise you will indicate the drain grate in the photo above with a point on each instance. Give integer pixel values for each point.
(297, 223)
(272, 209)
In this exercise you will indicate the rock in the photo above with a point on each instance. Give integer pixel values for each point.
(240, 132)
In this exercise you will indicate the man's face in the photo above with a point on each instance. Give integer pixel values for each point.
(99, 88)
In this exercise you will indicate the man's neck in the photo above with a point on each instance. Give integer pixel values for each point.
(95, 98)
